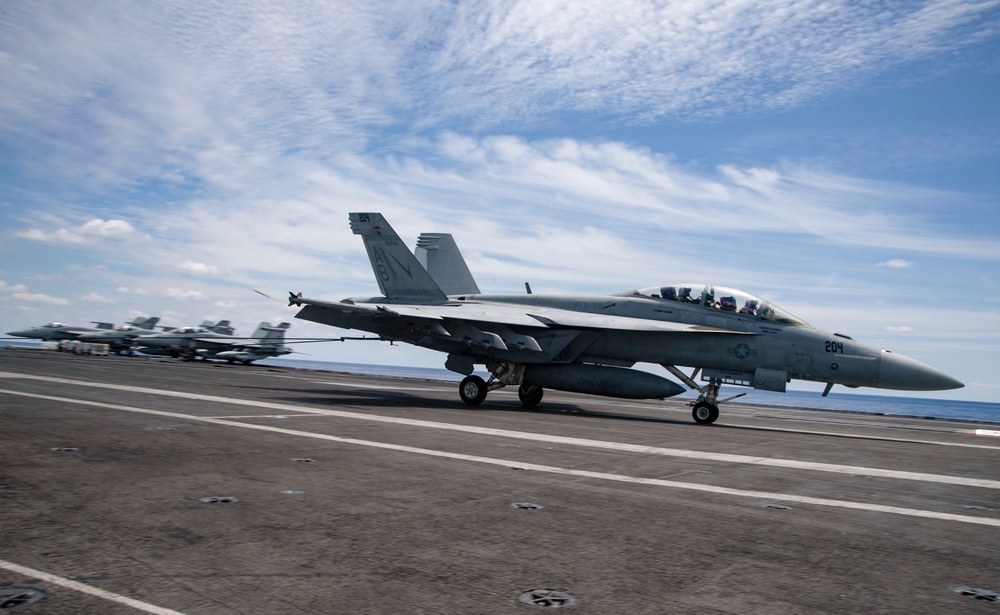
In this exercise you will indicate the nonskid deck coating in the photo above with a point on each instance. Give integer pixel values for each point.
(379, 530)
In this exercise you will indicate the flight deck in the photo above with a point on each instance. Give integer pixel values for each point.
(132, 485)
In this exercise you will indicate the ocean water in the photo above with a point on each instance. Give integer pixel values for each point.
(840, 402)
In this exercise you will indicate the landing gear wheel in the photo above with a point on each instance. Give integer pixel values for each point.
(530, 394)
(472, 390)
(705, 413)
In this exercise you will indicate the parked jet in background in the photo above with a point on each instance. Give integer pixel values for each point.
(179, 342)
(587, 344)
(121, 339)
(200, 342)
(58, 332)
(222, 327)
(267, 341)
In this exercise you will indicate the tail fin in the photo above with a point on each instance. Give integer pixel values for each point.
(400, 275)
(266, 333)
(222, 327)
(440, 256)
(145, 323)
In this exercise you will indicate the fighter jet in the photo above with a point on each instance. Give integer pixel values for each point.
(267, 341)
(223, 327)
(121, 339)
(179, 342)
(59, 332)
(200, 342)
(588, 344)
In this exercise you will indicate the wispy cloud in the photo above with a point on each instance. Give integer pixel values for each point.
(93, 231)
(184, 295)
(215, 92)
(198, 269)
(96, 298)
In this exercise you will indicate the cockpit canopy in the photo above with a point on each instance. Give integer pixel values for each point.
(189, 330)
(722, 299)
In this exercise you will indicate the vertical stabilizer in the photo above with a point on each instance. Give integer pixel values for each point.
(223, 327)
(273, 335)
(145, 323)
(440, 256)
(398, 272)
(261, 331)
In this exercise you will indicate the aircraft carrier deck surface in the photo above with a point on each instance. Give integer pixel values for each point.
(132, 485)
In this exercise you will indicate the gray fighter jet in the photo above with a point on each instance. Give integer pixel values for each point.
(588, 344)
(201, 342)
(223, 326)
(121, 339)
(59, 332)
(267, 341)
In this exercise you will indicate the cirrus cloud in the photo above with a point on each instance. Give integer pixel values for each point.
(94, 231)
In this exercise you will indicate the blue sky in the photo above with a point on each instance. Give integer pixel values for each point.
(841, 160)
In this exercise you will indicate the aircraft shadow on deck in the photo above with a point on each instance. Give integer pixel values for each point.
(401, 399)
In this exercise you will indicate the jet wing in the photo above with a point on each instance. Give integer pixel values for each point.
(511, 315)
(214, 341)
(582, 320)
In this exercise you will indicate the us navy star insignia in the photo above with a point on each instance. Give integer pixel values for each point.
(742, 351)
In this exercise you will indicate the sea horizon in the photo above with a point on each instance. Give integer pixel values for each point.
(844, 401)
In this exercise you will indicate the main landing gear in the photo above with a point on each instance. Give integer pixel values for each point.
(473, 389)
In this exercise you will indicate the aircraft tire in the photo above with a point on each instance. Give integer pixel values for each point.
(472, 390)
(705, 413)
(530, 395)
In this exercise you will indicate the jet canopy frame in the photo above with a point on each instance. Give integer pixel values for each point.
(721, 299)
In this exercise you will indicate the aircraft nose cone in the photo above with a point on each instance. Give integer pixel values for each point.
(22, 333)
(906, 374)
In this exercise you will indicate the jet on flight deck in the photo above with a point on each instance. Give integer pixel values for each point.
(588, 344)
(203, 342)
(59, 332)
(121, 339)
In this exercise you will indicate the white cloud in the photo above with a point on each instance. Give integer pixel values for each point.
(896, 263)
(20, 293)
(201, 269)
(899, 329)
(40, 298)
(141, 292)
(15, 288)
(184, 295)
(96, 298)
(94, 231)
(149, 91)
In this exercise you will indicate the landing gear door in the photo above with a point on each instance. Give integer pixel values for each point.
(770, 379)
